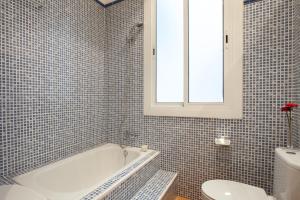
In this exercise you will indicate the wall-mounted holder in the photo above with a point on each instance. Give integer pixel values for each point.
(222, 141)
(144, 148)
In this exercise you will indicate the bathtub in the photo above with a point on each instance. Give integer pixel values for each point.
(78, 176)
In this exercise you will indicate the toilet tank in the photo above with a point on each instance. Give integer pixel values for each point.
(287, 174)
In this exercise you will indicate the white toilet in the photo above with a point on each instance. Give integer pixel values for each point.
(286, 182)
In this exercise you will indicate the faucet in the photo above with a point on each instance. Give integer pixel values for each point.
(126, 137)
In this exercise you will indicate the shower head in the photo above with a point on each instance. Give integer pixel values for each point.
(139, 24)
(134, 30)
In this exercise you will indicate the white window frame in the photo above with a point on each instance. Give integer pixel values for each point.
(232, 107)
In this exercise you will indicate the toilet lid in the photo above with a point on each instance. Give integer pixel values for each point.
(230, 190)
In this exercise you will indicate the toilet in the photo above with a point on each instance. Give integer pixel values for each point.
(286, 182)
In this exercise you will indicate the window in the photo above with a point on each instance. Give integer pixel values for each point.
(170, 47)
(206, 51)
(193, 58)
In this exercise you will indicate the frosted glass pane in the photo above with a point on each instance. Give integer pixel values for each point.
(206, 51)
(170, 51)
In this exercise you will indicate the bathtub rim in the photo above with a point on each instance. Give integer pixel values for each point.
(151, 155)
(145, 156)
(78, 155)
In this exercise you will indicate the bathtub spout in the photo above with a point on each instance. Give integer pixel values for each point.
(125, 154)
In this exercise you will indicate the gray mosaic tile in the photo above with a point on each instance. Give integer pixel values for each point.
(65, 67)
(186, 144)
(131, 185)
(155, 187)
(53, 93)
(296, 72)
(6, 181)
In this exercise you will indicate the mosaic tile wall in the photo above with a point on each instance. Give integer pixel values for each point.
(124, 60)
(186, 144)
(63, 62)
(296, 71)
(135, 182)
(53, 82)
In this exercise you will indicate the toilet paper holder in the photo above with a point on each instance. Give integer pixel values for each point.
(222, 141)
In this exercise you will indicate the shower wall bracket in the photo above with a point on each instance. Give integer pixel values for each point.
(250, 1)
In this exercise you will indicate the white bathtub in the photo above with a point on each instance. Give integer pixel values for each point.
(77, 176)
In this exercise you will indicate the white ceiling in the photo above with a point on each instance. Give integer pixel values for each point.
(105, 2)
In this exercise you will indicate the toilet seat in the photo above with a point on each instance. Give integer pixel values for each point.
(230, 190)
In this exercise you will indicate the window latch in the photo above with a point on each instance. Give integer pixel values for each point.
(153, 52)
